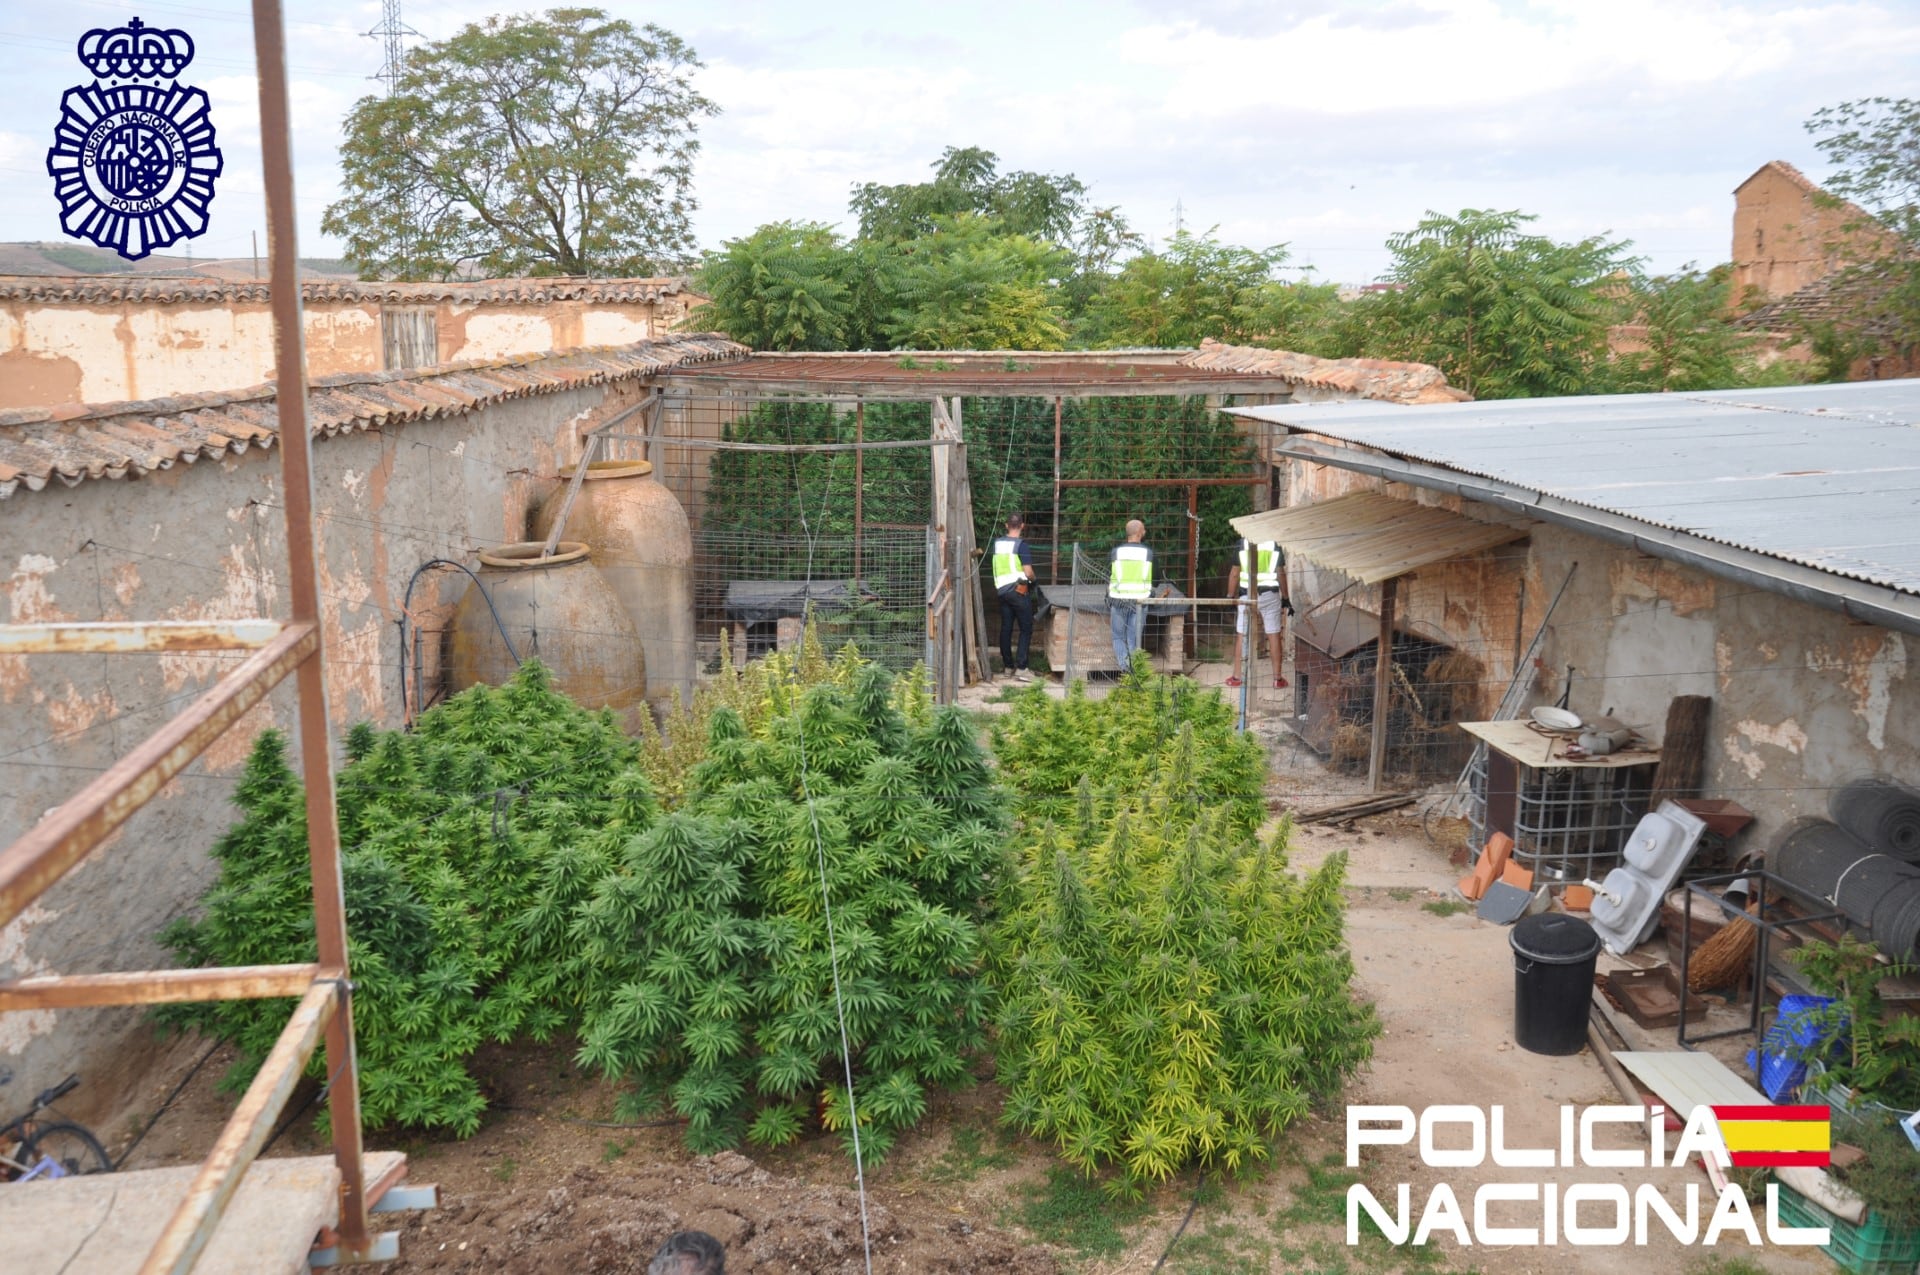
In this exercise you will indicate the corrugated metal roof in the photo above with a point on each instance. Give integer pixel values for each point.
(1370, 537)
(1827, 476)
(71, 444)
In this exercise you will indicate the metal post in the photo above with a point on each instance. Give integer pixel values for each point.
(859, 480)
(1382, 687)
(316, 755)
(1073, 614)
(1055, 573)
(1193, 562)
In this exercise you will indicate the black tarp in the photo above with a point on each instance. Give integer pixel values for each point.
(761, 601)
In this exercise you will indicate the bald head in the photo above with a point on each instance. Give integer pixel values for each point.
(1136, 530)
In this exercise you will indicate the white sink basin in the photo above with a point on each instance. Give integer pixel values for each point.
(1626, 906)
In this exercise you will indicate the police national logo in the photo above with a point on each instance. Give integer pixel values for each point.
(133, 159)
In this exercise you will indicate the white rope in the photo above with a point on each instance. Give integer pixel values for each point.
(826, 895)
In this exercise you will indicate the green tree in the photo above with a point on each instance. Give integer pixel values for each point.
(787, 286)
(1689, 342)
(561, 144)
(1504, 313)
(1197, 288)
(969, 284)
(1874, 145)
(1044, 206)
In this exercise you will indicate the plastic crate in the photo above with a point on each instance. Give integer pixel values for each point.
(1865, 1248)
(1799, 1026)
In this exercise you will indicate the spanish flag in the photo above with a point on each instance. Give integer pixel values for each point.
(1768, 1137)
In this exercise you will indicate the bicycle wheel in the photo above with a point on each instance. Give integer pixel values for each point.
(70, 1146)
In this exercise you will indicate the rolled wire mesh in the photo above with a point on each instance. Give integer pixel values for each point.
(1882, 812)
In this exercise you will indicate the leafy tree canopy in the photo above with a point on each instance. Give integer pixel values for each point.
(967, 179)
(1874, 145)
(1197, 287)
(786, 286)
(1686, 342)
(559, 144)
(1504, 313)
(971, 284)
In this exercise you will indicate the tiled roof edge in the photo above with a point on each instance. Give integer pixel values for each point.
(1382, 379)
(149, 290)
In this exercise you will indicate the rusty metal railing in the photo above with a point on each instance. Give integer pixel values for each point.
(37, 860)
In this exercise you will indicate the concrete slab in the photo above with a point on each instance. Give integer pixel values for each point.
(104, 1224)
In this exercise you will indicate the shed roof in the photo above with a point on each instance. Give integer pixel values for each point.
(1371, 537)
(1823, 476)
(39, 446)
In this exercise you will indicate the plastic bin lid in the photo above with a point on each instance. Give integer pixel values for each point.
(1555, 938)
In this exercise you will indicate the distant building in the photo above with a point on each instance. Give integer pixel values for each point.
(116, 338)
(1788, 234)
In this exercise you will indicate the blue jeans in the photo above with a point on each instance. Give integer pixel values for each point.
(1129, 621)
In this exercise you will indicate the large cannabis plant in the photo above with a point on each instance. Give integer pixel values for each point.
(706, 956)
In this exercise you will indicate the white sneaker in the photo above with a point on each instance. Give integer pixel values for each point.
(1021, 675)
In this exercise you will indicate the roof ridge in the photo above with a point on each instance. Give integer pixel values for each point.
(166, 290)
(1387, 380)
(75, 442)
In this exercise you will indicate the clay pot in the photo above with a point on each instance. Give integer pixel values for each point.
(559, 610)
(641, 543)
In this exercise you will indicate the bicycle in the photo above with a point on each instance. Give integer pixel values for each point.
(35, 1150)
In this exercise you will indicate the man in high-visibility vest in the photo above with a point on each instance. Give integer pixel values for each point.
(1267, 573)
(1129, 585)
(1013, 582)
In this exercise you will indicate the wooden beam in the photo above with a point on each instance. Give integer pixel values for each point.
(114, 637)
(51, 847)
(156, 987)
(1382, 688)
(573, 493)
(1163, 482)
(193, 1223)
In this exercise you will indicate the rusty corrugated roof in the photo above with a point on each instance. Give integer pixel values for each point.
(114, 289)
(40, 446)
(1382, 379)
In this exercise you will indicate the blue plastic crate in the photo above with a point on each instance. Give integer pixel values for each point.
(1799, 1025)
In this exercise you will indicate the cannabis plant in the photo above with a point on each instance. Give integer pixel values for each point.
(713, 972)
(1169, 994)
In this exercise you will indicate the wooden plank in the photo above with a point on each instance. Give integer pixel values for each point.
(156, 987)
(1685, 1080)
(51, 847)
(1516, 739)
(573, 493)
(1382, 690)
(192, 1224)
(115, 637)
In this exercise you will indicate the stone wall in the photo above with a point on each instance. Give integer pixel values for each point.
(207, 540)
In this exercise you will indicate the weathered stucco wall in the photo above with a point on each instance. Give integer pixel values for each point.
(1786, 235)
(208, 541)
(58, 353)
(1803, 698)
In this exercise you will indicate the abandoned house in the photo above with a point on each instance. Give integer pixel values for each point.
(115, 338)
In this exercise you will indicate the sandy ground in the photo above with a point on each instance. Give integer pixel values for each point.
(550, 1184)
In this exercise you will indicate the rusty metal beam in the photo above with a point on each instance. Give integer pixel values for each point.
(193, 1223)
(303, 588)
(1163, 482)
(156, 987)
(110, 637)
(46, 852)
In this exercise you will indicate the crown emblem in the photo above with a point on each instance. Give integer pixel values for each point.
(135, 52)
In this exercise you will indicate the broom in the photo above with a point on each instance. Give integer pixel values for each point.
(1683, 750)
(1724, 957)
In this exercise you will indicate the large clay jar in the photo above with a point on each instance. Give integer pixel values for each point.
(559, 610)
(641, 544)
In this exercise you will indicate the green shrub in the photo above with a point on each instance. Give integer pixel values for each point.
(706, 951)
(1169, 994)
(1045, 746)
(450, 835)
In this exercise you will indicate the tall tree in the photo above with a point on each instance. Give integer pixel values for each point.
(971, 285)
(786, 286)
(1197, 288)
(558, 144)
(967, 179)
(1688, 342)
(1504, 313)
(1874, 145)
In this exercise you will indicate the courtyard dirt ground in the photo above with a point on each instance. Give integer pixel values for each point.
(553, 1182)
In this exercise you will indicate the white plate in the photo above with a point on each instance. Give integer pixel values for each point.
(1556, 718)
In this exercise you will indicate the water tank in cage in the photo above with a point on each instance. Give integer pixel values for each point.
(640, 541)
(559, 610)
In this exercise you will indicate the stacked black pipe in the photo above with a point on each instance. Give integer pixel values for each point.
(1866, 862)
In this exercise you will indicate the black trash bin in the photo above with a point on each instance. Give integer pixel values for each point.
(1553, 959)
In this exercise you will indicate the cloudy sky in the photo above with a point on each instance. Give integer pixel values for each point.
(1323, 124)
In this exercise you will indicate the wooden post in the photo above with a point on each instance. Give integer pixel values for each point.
(1193, 565)
(1054, 574)
(1382, 686)
(859, 481)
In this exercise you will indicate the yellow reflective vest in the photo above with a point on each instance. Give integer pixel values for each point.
(1132, 575)
(1007, 567)
(1266, 554)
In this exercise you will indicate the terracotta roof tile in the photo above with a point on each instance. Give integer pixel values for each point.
(1381, 379)
(122, 289)
(70, 444)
